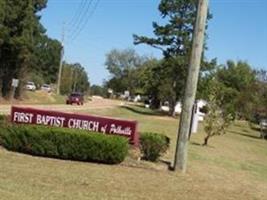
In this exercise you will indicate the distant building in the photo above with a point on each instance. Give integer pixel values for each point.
(178, 108)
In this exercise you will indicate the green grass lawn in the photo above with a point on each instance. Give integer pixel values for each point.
(38, 97)
(43, 97)
(233, 166)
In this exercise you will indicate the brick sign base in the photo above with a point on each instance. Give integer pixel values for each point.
(103, 125)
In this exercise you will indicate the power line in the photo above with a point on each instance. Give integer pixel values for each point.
(81, 13)
(81, 19)
(77, 13)
(86, 21)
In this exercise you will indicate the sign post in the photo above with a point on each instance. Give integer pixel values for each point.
(14, 84)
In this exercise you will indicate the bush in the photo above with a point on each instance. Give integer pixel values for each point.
(4, 119)
(153, 145)
(62, 143)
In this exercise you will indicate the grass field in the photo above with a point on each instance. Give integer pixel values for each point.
(38, 97)
(43, 97)
(233, 166)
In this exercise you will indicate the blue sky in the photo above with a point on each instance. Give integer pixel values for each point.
(238, 30)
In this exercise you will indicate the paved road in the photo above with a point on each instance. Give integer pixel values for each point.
(94, 104)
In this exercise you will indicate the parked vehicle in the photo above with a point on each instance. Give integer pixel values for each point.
(46, 87)
(30, 86)
(76, 98)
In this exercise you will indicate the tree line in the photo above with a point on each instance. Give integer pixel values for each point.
(240, 89)
(27, 52)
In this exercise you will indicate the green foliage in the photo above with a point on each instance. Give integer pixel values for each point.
(259, 94)
(46, 59)
(5, 120)
(123, 65)
(74, 79)
(64, 143)
(149, 81)
(174, 39)
(20, 28)
(28, 54)
(236, 80)
(98, 90)
(233, 90)
(237, 85)
(153, 145)
(218, 115)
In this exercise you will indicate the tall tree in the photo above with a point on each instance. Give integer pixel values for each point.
(174, 39)
(98, 90)
(260, 110)
(74, 79)
(122, 64)
(238, 85)
(46, 58)
(236, 78)
(19, 26)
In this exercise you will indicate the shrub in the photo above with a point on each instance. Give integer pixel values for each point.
(4, 119)
(64, 143)
(153, 145)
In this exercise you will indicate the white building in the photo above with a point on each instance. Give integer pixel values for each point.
(178, 108)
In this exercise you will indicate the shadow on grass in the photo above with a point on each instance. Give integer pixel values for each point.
(168, 164)
(255, 128)
(143, 111)
(246, 135)
(196, 143)
(202, 145)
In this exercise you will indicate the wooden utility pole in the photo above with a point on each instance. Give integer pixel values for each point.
(61, 62)
(180, 159)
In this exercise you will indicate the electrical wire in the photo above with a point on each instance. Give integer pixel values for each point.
(81, 19)
(83, 25)
(77, 13)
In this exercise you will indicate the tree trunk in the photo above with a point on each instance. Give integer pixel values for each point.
(206, 141)
(1, 85)
(6, 87)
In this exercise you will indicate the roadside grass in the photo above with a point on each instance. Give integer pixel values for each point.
(38, 97)
(233, 166)
(240, 149)
(43, 97)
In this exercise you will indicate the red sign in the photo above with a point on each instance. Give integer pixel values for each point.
(77, 121)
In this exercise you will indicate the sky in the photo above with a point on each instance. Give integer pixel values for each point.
(237, 31)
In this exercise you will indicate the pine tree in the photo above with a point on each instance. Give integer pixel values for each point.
(174, 39)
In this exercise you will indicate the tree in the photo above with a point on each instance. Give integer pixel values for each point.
(122, 64)
(236, 79)
(46, 58)
(174, 39)
(232, 90)
(149, 81)
(19, 27)
(218, 117)
(74, 79)
(260, 96)
(98, 90)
